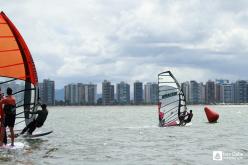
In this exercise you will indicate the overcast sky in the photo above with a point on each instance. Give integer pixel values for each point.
(92, 40)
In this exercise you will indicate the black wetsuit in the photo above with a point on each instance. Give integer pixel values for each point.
(38, 122)
(182, 116)
(190, 115)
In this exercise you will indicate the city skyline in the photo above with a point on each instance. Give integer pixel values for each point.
(133, 40)
(209, 92)
(155, 81)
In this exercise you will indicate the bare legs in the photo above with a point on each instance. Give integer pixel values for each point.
(2, 135)
(12, 135)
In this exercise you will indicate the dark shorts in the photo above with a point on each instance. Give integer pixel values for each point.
(9, 120)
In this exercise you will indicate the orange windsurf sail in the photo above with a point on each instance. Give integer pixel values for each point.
(15, 58)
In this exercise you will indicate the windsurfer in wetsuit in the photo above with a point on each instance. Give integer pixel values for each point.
(182, 117)
(190, 116)
(38, 122)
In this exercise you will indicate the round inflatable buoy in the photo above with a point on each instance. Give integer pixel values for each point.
(211, 115)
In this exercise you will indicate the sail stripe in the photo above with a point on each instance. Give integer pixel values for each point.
(11, 65)
(170, 103)
(170, 109)
(9, 50)
(6, 36)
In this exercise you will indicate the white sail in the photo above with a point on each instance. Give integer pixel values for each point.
(171, 99)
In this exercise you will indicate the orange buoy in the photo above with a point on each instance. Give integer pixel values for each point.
(211, 115)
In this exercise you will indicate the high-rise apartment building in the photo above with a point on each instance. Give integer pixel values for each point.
(123, 93)
(241, 91)
(194, 92)
(107, 93)
(210, 92)
(138, 92)
(71, 94)
(227, 93)
(151, 93)
(202, 91)
(47, 92)
(219, 95)
(90, 93)
(80, 94)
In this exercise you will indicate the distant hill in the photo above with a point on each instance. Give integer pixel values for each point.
(59, 94)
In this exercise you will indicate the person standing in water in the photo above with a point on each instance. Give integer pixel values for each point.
(9, 109)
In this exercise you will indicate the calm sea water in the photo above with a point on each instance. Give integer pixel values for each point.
(130, 135)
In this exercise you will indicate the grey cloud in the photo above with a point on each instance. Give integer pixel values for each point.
(91, 40)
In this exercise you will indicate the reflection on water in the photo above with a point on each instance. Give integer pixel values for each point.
(35, 144)
(50, 152)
